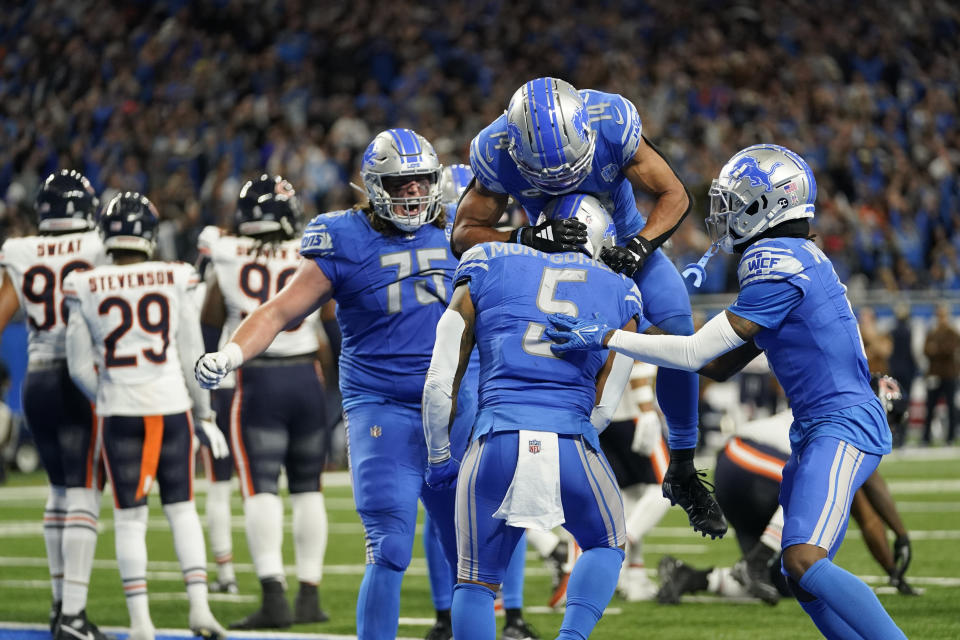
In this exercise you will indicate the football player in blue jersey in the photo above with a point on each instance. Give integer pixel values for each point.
(552, 140)
(389, 267)
(793, 307)
(534, 459)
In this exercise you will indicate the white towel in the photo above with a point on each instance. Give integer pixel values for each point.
(533, 497)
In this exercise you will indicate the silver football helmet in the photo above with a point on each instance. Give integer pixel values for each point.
(759, 187)
(601, 232)
(454, 180)
(394, 158)
(551, 140)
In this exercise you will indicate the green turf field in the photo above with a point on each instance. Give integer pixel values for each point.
(927, 491)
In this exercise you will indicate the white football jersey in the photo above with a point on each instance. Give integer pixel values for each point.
(249, 273)
(134, 313)
(38, 266)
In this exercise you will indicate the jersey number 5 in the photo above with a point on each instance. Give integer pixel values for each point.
(159, 324)
(548, 303)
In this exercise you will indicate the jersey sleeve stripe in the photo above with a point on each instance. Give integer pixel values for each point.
(772, 276)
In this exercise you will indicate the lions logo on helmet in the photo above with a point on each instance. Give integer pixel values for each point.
(130, 223)
(267, 205)
(395, 159)
(759, 187)
(551, 140)
(66, 202)
(601, 231)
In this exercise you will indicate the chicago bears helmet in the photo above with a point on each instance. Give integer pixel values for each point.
(601, 232)
(454, 180)
(66, 202)
(395, 158)
(130, 223)
(551, 140)
(266, 205)
(759, 187)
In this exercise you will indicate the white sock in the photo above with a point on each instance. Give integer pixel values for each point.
(720, 581)
(130, 528)
(54, 516)
(543, 541)
(218, 524)
(263, 514)
(773, 534)
(647, 512)
(79, 546)
(309, 534)
(191, 551)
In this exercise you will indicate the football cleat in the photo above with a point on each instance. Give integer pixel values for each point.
(306, 608)
(55, 607)
(753, 572)
(678, 578)
(78, 628)
(636, 586)
(204, 625)
(274, 611)
(441, 630)
(557, 563)
(519, 629)
(694, 496)
(225, 586)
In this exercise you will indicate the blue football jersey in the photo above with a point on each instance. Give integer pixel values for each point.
(390, 293)
(523, 385)
(811, 338)
(618, 127)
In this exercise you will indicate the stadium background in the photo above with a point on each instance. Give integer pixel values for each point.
(184, 101)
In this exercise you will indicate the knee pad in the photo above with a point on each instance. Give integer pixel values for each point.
(799, 592)
(393, 551)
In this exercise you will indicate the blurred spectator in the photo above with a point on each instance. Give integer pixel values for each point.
(903, 365)
(942, 348)
(877, 345)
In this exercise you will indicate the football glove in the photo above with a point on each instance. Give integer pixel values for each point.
(211, 368)
(442, 475)
(646, 434)
(210, 436)
(683, 485)
(620, 259)
(574, 334)
(552, 236)
(641, 249)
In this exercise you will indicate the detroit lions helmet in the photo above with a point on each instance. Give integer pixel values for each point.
(130, 223)
(266, 205)
(66, 202)
(601, 232)
(454, 180)
(759, 187)
(551, 140)
(395, 158)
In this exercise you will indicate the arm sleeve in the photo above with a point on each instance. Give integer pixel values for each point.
(612, 391)
(767, 302)
(687, 353)
(437, 402)
(189, 348)
(80, 352)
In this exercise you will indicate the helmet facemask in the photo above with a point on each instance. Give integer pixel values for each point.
(406, 212)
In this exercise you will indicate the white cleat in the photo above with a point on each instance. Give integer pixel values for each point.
(142, 633)
(636, 586)
(203, 624)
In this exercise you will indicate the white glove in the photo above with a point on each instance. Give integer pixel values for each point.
(212, 368)
(647, 433)
(210, 436)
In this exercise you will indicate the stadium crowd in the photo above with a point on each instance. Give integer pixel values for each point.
(185, 101)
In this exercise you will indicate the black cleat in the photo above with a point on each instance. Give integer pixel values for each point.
(902, 587)
(753, 572)
(678, 578)
(55, 607)
(692, 494)
(557, 563)
(78, 628)
(306, 608)
(518, 629)
(274, 611)
(441, 630)
(224, 586)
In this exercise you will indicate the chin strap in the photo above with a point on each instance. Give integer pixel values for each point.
(698, 269)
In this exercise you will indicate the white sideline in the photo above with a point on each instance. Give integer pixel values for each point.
(186, 633)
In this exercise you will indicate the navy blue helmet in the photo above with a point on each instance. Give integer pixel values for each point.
(130, 223)
(266, 205)
(66, 202)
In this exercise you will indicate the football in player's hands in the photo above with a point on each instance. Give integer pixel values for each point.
(441, 475)
(571, 334)
(211, 437)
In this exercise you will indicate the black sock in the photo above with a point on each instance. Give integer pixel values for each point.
(513, 615)
(443, 616)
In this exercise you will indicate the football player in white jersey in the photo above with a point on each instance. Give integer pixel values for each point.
(132, 329)
(65, 432)
(278, 416)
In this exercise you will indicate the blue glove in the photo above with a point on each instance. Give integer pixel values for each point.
(574, 334)
(442, 475)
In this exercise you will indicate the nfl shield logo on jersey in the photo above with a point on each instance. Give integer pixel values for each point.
(376, 431)
(533, 446)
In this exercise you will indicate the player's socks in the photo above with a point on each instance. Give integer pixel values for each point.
(54, 516)
(263, 514)
(646, 513)
(309, 534)
(473, 617)
(442, 576)
(79, 546)
(830, 624)
(378, 603)
(130, 526)
(851, 599)
(677, 392)
(720, 581)
(192, 554)
(513, 577)
(218, 525)
(773, 533)
(592, 582)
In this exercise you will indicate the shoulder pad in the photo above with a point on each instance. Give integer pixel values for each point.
(486, 152)
(616, 120)
(317, 240)
(207, 238)
(473, 262)
(769, 261)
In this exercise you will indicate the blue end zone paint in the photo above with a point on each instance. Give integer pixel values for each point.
(18, 631)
